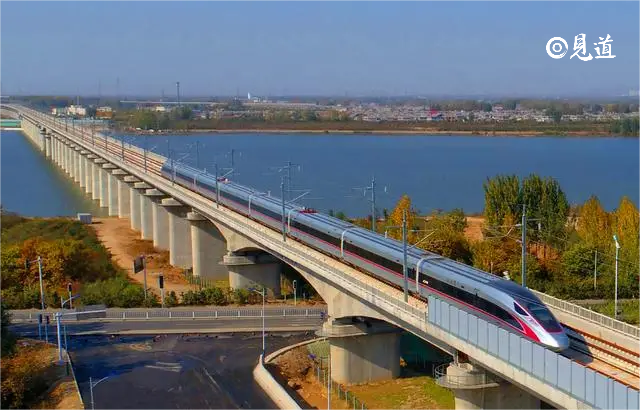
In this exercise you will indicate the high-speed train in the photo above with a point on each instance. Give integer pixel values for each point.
(497, 300)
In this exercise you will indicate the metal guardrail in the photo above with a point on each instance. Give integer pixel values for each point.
(590, 315)
(471, 380)
(181, 314)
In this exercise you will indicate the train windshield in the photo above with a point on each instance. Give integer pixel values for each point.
(544, 317)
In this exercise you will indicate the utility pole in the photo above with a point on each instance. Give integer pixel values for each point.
(615, 300)
(178, 92)
(46, 330)
(284, 216)
(371, 188)
(373, 207)
(524, 245)
(404, 256)
(217, 188)
(198, 154)
(595, 270)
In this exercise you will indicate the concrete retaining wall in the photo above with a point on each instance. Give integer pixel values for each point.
(270, 385)
(272, 388)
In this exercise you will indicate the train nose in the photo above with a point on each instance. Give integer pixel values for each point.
(560, 341)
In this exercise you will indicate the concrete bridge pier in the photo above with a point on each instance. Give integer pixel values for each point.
(64, 155)
(146, 211)
(96, 172)
(54, 149)
(76, 164)
(124, 208)
(134, 202)
(88, 172)
(59, 152)
(362, 351)
(112, 190)
(46, 143)
(72, 162)
(179, 233)
(104, 186)
(207, 245)
(160, 220)
(475, 388)
(70, 157)
(254, 269)
(83, 168)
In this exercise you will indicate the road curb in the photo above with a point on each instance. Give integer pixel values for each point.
(270, 385)
(73, 375)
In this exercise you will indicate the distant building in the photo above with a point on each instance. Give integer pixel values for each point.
(104, 113)
(160, 108)
(77, 110)
(58, 111)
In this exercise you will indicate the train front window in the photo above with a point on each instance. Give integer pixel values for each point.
(519, 310)
(544, 317)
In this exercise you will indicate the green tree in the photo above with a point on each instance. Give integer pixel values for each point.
(579, 260)
(502, 196)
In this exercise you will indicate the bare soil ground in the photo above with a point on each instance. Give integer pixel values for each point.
(125, 244)
(413, 391)
(295, 368)
(473, 232)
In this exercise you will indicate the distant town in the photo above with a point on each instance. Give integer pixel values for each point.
(162, 115)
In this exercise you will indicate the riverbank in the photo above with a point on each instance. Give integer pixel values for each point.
(421, 132)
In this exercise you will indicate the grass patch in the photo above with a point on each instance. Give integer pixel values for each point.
(415, 392)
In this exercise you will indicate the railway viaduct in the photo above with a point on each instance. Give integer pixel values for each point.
(491, 368)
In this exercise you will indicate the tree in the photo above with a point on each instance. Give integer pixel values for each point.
(404, 204)
(8, 340)
(501, 198)
(594, 225)
(627, 222)
(546, 201)
(579, 260)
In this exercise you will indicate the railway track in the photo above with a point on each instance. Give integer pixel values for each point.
(604, 357)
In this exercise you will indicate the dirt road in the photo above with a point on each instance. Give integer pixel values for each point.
(125, 244)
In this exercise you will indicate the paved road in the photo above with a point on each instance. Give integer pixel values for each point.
(174, 371)
(164, 326)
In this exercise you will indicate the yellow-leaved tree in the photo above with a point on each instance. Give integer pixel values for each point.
(594, 224)
(627, 225)
(395, 219)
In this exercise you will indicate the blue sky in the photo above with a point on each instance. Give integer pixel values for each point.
(326, 48)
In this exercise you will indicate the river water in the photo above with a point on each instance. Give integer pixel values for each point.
(442, 172)
(437, 172)
(33, 185)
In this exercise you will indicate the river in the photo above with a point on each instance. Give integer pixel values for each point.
(437, 172)
(32, 185)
